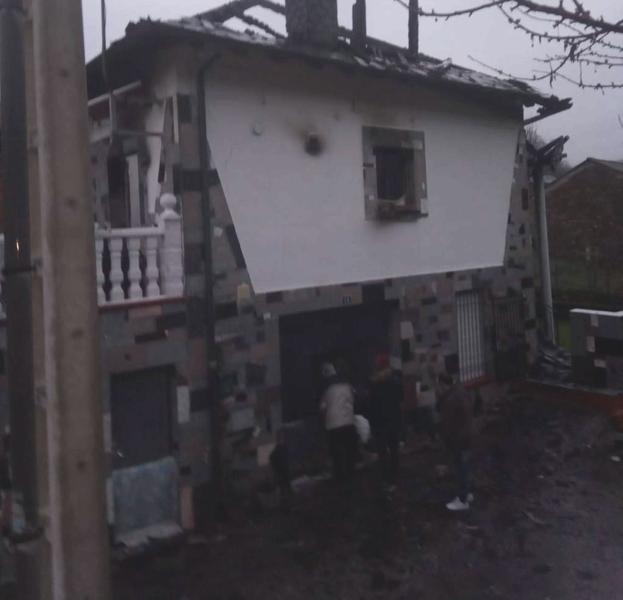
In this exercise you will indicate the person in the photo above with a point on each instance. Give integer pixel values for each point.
(455, 407)
(280, 464)
(337, 408)
(385, 416)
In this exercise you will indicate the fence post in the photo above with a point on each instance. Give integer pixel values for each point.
(171, 253)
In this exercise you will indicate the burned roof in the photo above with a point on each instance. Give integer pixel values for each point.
(261, 24)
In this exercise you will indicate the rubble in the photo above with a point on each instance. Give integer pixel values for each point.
(553, 364)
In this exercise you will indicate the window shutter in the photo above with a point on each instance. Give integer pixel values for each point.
(421, 188)
(369, 174)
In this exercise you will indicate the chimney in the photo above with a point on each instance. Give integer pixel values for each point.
(414, 28)
(360, 28)
(312, 21)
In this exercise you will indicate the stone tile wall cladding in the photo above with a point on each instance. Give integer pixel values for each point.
(172, 334)
(147, 337)
(597, 349)
(247, 327)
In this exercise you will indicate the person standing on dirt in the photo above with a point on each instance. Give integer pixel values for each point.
(455, 407)
(337, 408)
(386, 398)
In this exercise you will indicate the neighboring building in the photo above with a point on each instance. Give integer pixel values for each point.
(597, 351)
(585, 222)
(265, 203)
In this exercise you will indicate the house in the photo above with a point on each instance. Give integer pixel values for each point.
(271, 196)
(585, 223)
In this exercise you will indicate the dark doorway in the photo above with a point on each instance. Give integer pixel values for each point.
(145, 476)
(141, 416)
(348, 337)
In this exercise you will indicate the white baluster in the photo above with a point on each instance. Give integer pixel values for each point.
(171, 261)
(99, 267)
(152, 273)
(134, 270)
(116, 274)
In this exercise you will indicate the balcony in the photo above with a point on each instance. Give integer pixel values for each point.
(135, 265)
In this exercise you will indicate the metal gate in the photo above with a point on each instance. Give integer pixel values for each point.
(470, 325)
(510, 340)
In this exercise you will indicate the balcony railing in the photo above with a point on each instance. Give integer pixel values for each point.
(141, 263)
(135, 264)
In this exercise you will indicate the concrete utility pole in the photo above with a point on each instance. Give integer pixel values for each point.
(77, 530)
(546, 276)
(414, 27)
(22, 287)
(550, 156)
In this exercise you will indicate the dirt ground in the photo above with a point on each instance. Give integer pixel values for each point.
(547, 523)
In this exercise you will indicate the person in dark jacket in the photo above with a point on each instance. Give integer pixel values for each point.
(456, 411)
(280, 463)
(386, 415)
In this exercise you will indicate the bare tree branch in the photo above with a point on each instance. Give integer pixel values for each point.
(583, 40)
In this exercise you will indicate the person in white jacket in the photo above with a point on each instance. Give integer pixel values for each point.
(337, 408)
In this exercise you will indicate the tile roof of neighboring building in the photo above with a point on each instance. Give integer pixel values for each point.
(617, 165)
(243, 22)
(614, 165)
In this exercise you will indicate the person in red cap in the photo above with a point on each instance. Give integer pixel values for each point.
(386, 415)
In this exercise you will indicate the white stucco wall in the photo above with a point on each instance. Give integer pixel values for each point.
(301, 220)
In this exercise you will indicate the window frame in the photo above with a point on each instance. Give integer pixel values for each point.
(415, 200)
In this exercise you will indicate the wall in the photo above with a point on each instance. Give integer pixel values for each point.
(146, 337)
(585, 219)
(284, 201)
(169, 334)
(597, 348)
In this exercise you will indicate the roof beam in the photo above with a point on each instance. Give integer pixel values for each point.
(237, 8)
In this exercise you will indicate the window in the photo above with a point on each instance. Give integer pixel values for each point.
(126, 202)
(394, 174)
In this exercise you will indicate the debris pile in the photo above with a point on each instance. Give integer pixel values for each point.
(553, 364)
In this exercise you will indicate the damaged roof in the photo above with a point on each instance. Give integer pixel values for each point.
(261, 24)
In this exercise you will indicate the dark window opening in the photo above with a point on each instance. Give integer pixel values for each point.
(126, 203)
(141, 416)
(395, 173)
(117, 201)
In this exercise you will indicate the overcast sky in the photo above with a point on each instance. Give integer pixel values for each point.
(592, 123)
